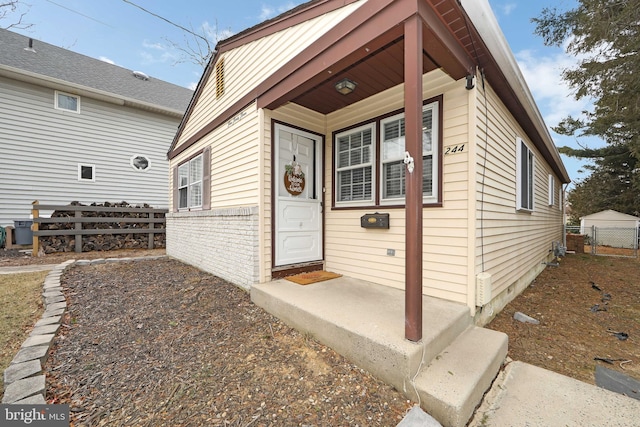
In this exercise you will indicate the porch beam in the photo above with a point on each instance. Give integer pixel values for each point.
(413, 180)
(447, 50)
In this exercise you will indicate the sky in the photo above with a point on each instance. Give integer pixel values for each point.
(120, 32)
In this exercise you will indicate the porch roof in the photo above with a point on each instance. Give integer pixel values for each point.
(367, 47)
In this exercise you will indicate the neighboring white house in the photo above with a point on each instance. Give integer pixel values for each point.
(613, 228)
(300, 130)
(73, 128)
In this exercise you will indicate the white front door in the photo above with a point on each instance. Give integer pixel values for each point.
(298, 196)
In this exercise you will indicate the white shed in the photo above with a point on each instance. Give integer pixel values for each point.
(615, 228)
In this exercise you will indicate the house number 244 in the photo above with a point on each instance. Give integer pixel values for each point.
(454, 149)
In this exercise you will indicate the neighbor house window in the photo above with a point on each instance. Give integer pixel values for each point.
(86, 172)
(354, 165)
(552, 190)
(524, 176)
(392, 151)
(190, 183)
(68, 102)
(140, 162)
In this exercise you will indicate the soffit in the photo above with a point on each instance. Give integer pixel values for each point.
(382, 67)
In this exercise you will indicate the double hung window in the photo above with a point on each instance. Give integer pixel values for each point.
(354, 165)
(190, 183)
(525, 168)
(370, 169)
(552, 190)
(392, 156)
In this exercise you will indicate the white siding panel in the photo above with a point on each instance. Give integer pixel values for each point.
(41, 148)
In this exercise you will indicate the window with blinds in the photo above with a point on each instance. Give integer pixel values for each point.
(392, 155)
(354, 165)
(369, 161)
(190, 183)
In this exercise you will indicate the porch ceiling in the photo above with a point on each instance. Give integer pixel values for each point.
(383, 65)
(377, 72)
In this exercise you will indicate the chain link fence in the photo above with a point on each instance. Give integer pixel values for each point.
(622, 242)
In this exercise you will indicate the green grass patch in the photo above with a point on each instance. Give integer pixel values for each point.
(21, 302)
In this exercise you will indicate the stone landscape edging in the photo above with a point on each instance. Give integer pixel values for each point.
(24, 379)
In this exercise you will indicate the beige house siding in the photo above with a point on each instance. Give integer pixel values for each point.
(235, 161)
(453, 250)
(224, 240)
(271, 52)
(362, 253)
(510, 244)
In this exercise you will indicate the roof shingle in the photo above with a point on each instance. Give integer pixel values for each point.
(80, 70)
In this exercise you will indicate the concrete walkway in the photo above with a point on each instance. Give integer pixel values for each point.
(365, 323)
(525, 395)
(447, 372)
(26, 268)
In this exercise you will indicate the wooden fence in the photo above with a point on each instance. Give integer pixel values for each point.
(149, 222)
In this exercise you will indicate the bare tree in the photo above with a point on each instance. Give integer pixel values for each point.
(199, 44)
(10, 9)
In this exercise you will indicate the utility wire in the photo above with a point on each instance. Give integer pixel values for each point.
(166, 20)
(79, 13)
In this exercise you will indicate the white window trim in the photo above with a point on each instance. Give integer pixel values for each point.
(93, 172)
(372, 164)
(190, 184)
(519, 196)
(434, 107)
(552, 190)
(560, 197)
(57, 105)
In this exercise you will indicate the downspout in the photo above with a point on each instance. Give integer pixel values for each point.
(413, 177)
(564, 216)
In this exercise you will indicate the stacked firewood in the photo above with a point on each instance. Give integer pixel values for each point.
(102, 242)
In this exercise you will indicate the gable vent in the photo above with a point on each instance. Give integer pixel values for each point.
(220, 78)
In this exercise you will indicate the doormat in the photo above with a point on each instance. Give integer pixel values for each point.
(312, 277)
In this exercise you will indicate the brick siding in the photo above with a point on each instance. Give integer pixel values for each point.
(223, 242)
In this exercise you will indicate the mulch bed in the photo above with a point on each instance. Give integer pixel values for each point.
(160, 343)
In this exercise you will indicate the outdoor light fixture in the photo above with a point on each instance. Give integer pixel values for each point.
(345, 86)
(470, 84)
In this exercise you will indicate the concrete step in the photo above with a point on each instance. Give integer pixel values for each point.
(452, 386)
(364, 322)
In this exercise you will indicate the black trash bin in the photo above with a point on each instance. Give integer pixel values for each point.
(22, 231)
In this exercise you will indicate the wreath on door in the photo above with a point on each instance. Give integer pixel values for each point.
(294, 180)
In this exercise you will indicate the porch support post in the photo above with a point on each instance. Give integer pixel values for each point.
(413, 180)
